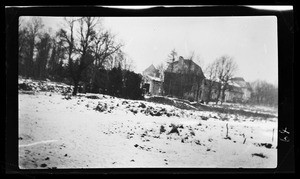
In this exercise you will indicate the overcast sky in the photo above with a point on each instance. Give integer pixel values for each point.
(251, 41)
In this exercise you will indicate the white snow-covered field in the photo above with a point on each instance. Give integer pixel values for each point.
(108, 132)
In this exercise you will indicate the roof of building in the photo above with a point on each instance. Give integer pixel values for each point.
(233, 86)
(151, 70)
(233, 83)
(237, 79)
(241, 82)
(188, 63)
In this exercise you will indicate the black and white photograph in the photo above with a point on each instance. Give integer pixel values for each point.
(147, 92)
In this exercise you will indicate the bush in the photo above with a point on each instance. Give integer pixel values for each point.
(131, 86)
(101, 107)
(190, 98)
(115, 82)
(24, 86)
(118, 83)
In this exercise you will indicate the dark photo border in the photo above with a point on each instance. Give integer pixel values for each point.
(286, 56)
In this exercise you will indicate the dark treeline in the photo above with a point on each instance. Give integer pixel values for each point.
(264, 93)
(115, 82)
(82, 54)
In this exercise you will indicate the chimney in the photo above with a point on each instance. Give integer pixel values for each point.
(181, 61)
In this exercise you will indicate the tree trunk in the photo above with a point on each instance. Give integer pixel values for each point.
(223, 95)
(181, 86)
(219, 93)
(75, 87)
(197, 92)
(170, 87)
(30, 62)
(208, 96)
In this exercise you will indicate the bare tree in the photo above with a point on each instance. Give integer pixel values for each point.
(104, 46)
(23, 51)
(67, 39)
(79, 47)
(170, 63)
(33, 26)
(171, 58)
(43, 49)
(211, 75)
(196, 58)
(21, 22)
(191, 55)
(55, 64)
(226, 67)
(86, 44)
(264, 93)
(199, 61)
(161, 69)
(119, 58)
(128, 64)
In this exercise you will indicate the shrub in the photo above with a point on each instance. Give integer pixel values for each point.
(190, 98)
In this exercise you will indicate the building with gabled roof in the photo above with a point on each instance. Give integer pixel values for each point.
(185, 66)
(238, 90)
(151, 71)
(152, 83)
(243, 86)
(183, 79)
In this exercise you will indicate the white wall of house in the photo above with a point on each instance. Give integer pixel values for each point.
(230, 95)
(155, 87)
(246, 95)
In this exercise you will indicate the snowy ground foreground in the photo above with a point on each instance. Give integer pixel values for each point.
(100, 131)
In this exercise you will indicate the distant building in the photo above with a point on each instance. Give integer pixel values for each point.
(238, 90)
(234, 92)
(151, 71)
(183, 79)
(152, 84)
(185, 66)
(206, 83)
(243, 86)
